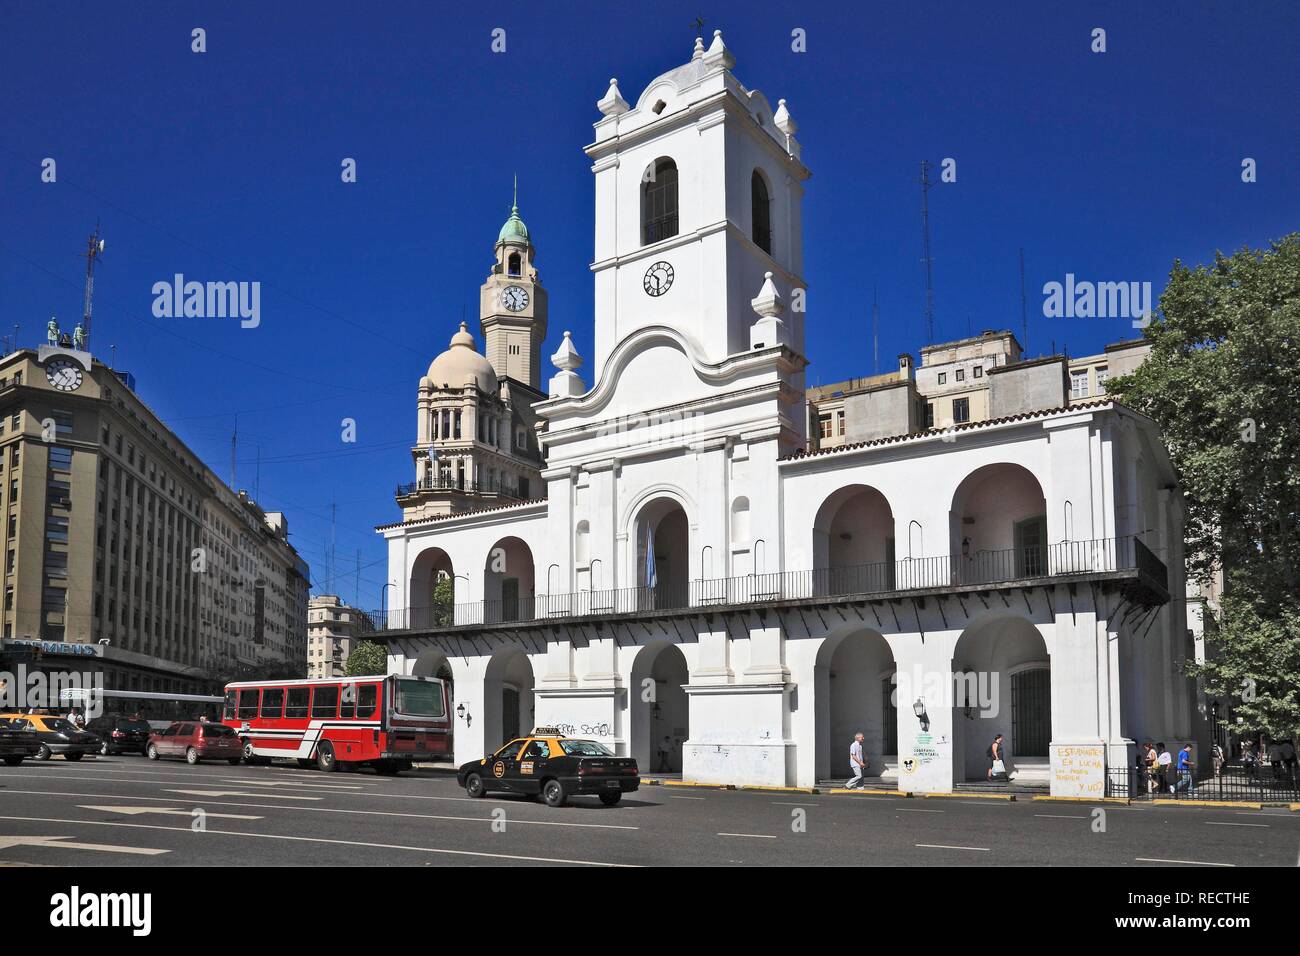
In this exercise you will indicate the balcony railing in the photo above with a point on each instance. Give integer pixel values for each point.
(481, 487)
(982, 568)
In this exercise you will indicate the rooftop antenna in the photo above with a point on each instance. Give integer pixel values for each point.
(334, 509)
(875, 332)
(234, 444)
(1024, 313)
(925, 236)
(94, 249)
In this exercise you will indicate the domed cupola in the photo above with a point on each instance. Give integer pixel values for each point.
(461, 362)
(514, 232)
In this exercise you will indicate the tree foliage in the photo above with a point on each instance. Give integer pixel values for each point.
(367, 658)
(1222, 384)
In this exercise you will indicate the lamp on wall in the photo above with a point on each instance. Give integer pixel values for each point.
(965, 547)
(919, 709)
(464, 714)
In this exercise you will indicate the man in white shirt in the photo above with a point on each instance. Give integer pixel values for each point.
(1163, 762)
(857, 761)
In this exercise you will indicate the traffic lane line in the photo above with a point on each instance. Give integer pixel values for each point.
(915, 810)
(1149, 859)
(341, 810)
(749, 836)
(199, 781)
(1060, 816)
(944, 846)
(518, 858)
(1227, 823)
(193, 779)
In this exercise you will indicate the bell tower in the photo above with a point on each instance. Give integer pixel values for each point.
(512, 305)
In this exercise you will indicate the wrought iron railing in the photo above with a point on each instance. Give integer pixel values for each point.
(1258, 783)
(909, 574)
(481, 487)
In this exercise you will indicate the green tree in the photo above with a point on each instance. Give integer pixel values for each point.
(367, 658)
(1221, 383)
(444, 602)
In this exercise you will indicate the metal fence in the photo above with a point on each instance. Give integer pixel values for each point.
(1264, 783)
(943, 571)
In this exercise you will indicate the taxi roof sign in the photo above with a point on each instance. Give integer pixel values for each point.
(547, 732)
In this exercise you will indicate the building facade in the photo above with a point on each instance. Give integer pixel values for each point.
(121, 542)
(703, 577)
(333, 628)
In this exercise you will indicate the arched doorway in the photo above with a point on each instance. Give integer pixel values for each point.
(854, 691)
(1003, 666)
(663, 554)
(508, 582)
(998, 526)
(660, 715)
(508, 707)
(853, 542)
(431, 593)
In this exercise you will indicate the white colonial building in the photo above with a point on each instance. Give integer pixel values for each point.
(698, 581)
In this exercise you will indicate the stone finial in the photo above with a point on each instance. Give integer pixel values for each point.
(768, 301)
(783, 121)
(769, 330)
(566, 383)
(612, 103)
(699, 49)
(718, 54)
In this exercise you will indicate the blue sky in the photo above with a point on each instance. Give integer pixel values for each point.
(225, 166)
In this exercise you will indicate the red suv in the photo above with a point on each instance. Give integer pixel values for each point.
(194, 741)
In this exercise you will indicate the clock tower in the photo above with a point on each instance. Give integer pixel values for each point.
(512, 306)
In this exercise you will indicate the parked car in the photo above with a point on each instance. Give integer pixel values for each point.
(16, 745)
(195, 741)
(54, 735)
(119, 734)
(554, 767)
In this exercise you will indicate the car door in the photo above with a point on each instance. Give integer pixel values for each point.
(166, 742)
(184, 739)
(532, 764)
(503, 768)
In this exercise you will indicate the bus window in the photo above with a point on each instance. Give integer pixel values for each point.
(230, 704)
(273, 702)
(297, 706)
(248, 703)
(348, 701)
(325, 702)
(367, 697)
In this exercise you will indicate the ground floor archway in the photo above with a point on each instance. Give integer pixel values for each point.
(508, 705)
(659, 711)
(854, 693)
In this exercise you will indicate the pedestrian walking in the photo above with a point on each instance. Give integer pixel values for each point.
(857, 762)
(1185, 767)
(1250, 760)
(997, 760)
(1164, 767)
(1216, 756)
(666, 755)
(1275, 759)
(1288, 758)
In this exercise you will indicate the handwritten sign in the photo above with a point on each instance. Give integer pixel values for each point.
(1079, 770)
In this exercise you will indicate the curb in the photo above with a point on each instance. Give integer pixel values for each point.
(1124, 800)
(1008, 797)
(870, 793)
(1209, 804)
(692, 783)
(746, 786)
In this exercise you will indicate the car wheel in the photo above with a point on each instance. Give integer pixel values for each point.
(249, 757)
(151, 752)
(14, 760)
(553, 793)
(325, 759)
(73, 757)
(44, 753)
(611, 799)
(474, 786)
(103, 749)
(191, 756)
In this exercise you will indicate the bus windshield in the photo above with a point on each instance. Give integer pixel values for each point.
(418, 698)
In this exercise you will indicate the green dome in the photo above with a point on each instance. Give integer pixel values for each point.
(514, 230)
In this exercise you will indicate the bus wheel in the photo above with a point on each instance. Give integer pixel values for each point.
(191, 756)
(325, 756)
(151, 752)
(553, 793)
(250, 758)
(474, 786)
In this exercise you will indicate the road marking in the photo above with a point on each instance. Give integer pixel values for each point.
(984, 803)
(778, 803)
(1060, 816)
(367, 813)
(673, 797)
(239, 793)
(1148, 859)
(303, 839)
(941, 846)
(136, 811)
(1221, 823)
(293, 786)
(61, 841)
(915, 810)
(751, 836)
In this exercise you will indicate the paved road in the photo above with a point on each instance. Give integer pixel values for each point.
(130, 811)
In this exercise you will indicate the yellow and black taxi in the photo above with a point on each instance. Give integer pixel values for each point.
(53, 736)
(555, 767)
(16, 745)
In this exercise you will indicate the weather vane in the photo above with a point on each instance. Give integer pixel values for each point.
(698, 24)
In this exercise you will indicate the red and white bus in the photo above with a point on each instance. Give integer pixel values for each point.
(388, 723)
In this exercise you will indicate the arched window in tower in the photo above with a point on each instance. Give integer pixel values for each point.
(761, 210)
(514, 265)
(659, 202)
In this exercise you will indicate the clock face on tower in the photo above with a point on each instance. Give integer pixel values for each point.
(658, 279)
(63, 374)
(515, 298)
